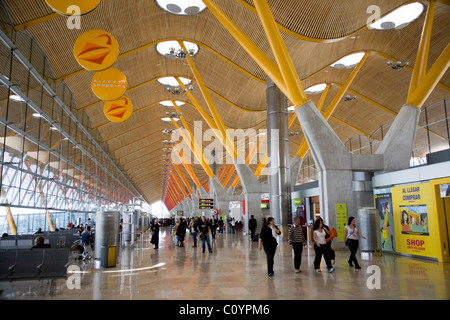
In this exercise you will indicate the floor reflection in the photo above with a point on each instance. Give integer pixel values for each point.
(236, 270)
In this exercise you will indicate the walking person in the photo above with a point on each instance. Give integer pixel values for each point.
(296, 240)
(351, 235)
(203, 229)
(193, 228)
(213, 228)
(252, 224)
(155, 234)
(181, 232)
(320, 246)
(268, 240)
(220, 225)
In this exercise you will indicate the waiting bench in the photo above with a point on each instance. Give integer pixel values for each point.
(36, 264)
(55, 239)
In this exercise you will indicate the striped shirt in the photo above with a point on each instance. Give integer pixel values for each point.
(295, 234)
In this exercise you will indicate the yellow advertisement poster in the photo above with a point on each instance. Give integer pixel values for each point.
(118, 110)
(96, 50)
(110, 84)
(341, 220)
(415, 220)
(63, 6)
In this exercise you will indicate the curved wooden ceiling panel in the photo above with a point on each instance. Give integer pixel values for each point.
(316, 34)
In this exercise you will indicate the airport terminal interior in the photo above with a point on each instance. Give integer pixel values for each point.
(141, 140)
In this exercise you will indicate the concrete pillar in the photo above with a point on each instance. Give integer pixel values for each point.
(332, 159)
(295, 166)
(339, 170)
(278, 150)
(221, 196)
(251, 188)
(398, 143)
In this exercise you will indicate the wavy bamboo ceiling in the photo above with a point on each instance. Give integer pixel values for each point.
(316, 33)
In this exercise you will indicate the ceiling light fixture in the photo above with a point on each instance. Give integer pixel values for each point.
(173, 114)
(182, 7)
(173, 87)
(348, 98)
(168, 131)
(171, 49)
(169, 142)
(397, 65)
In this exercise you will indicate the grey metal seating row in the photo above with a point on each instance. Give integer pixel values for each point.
(56, 240)
(36, 264)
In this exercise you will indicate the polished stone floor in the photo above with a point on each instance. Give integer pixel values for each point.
(236, 270)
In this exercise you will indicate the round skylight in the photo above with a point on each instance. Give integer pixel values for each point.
(399, 18)
(348, 61)
(318, 88)
(169, 104)
(182, 7)
(172, 82)
(168, 119)
(172, 49)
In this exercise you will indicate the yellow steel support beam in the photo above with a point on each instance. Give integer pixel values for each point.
(178, 184)
(249, 157)
(209, 120)
(323, 97)
(188, 167)
(228, 177)
(192, 143)
(224, 171)
(182, 177)
(430, 80)
(262, 164)
(423, 82)
(291, 80)
(303, 149)
(229, 145)
(344, 88)
(9, 216)
(268, 66)
(420, 66)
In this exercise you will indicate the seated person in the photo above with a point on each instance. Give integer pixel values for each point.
(78, 245)
(85, 236)
(39, 243)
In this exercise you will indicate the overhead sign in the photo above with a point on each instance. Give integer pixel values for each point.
(118, 110)
(63, 6)
(205, 203)
(96, 50)
(109, 85)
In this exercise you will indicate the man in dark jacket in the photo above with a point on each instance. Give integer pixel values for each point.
(181, 232)
(252, 224)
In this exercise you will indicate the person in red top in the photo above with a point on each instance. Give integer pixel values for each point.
(69, 224)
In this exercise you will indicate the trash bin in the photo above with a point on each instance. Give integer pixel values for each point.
(108, 256)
